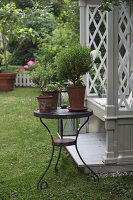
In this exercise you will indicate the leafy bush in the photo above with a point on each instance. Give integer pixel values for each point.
(73, 62)
(24, 52)
(42, 76)
(53, 44)
(41, 21)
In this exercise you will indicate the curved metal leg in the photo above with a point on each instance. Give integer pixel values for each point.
(40, 182)
(56, 170)
(92, 174)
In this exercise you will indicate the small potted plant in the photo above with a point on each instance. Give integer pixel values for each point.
(43, 78)
(72, 63)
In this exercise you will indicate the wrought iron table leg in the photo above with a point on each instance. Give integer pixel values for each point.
(56, 169)
(92, 174)
(41, 181)
(61, 129)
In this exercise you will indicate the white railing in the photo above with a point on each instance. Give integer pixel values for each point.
(23, 80)
(97, 40)
(125, 57)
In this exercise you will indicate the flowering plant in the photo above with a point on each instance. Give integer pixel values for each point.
(30, 66)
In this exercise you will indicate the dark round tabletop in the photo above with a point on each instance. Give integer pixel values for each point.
(63, 114)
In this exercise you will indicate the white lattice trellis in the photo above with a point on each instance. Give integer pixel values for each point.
(97, 40)
(125, 55)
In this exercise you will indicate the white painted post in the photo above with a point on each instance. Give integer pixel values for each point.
(20, 80)
(82, 5)
(112, 63)
(112, 87)
(28, 80)
(16, 82)
(24, 79)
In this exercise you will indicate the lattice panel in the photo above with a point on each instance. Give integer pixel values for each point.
(97, 40)
(125, 55)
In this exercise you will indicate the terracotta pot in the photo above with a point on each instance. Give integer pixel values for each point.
(55, 95)
(76, 96)
(45, 103)
(7, 81)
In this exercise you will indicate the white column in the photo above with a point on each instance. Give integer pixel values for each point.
(131, 11)
(82, 5)
(112, 63)
(112, 87)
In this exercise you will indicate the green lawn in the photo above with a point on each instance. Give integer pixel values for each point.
(25, 152)
(11, 68)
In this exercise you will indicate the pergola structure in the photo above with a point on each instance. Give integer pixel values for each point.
(110, 35)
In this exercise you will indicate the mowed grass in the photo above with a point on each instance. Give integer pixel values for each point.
(25, 151)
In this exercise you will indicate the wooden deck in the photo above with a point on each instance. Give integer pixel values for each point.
(92, 148)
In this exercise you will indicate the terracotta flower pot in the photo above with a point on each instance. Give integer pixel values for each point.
(45, 103)
(7, 81)
(55, 95)
(76, 97)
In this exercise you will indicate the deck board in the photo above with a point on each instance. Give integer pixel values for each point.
(91, 147)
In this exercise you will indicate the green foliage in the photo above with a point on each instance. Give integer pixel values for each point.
(41, 21)
(12, 68)
(10, 27)
(48, 49)
(108, 5)
(53, 86)
(9, 19)
(42, 76)
(50, 45)
(23, 4)
(43, 17)
(24, 52)
(70, 15)
(56, 6)
(73, 62)
(19, 3)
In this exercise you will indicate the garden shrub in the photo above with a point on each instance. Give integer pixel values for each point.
(41, 21)
(52, 44)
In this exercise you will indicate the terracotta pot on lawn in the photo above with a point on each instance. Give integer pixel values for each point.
(55, 95)
(7, 81)
(76, 97)
(45, 103)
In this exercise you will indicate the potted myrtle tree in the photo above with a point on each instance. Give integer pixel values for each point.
(11, 28)
(44, 78)
(72, 63)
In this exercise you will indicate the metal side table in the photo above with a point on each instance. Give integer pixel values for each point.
(63, 114)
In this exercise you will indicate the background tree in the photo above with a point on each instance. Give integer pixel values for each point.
(43, 17)
(40, 20)
(10, 27)
(20, 4)
(66, 34)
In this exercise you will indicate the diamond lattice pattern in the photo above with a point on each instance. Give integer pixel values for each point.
(97, 41)
(125, 57)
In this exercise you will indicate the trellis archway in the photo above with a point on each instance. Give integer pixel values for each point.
(111, 34)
